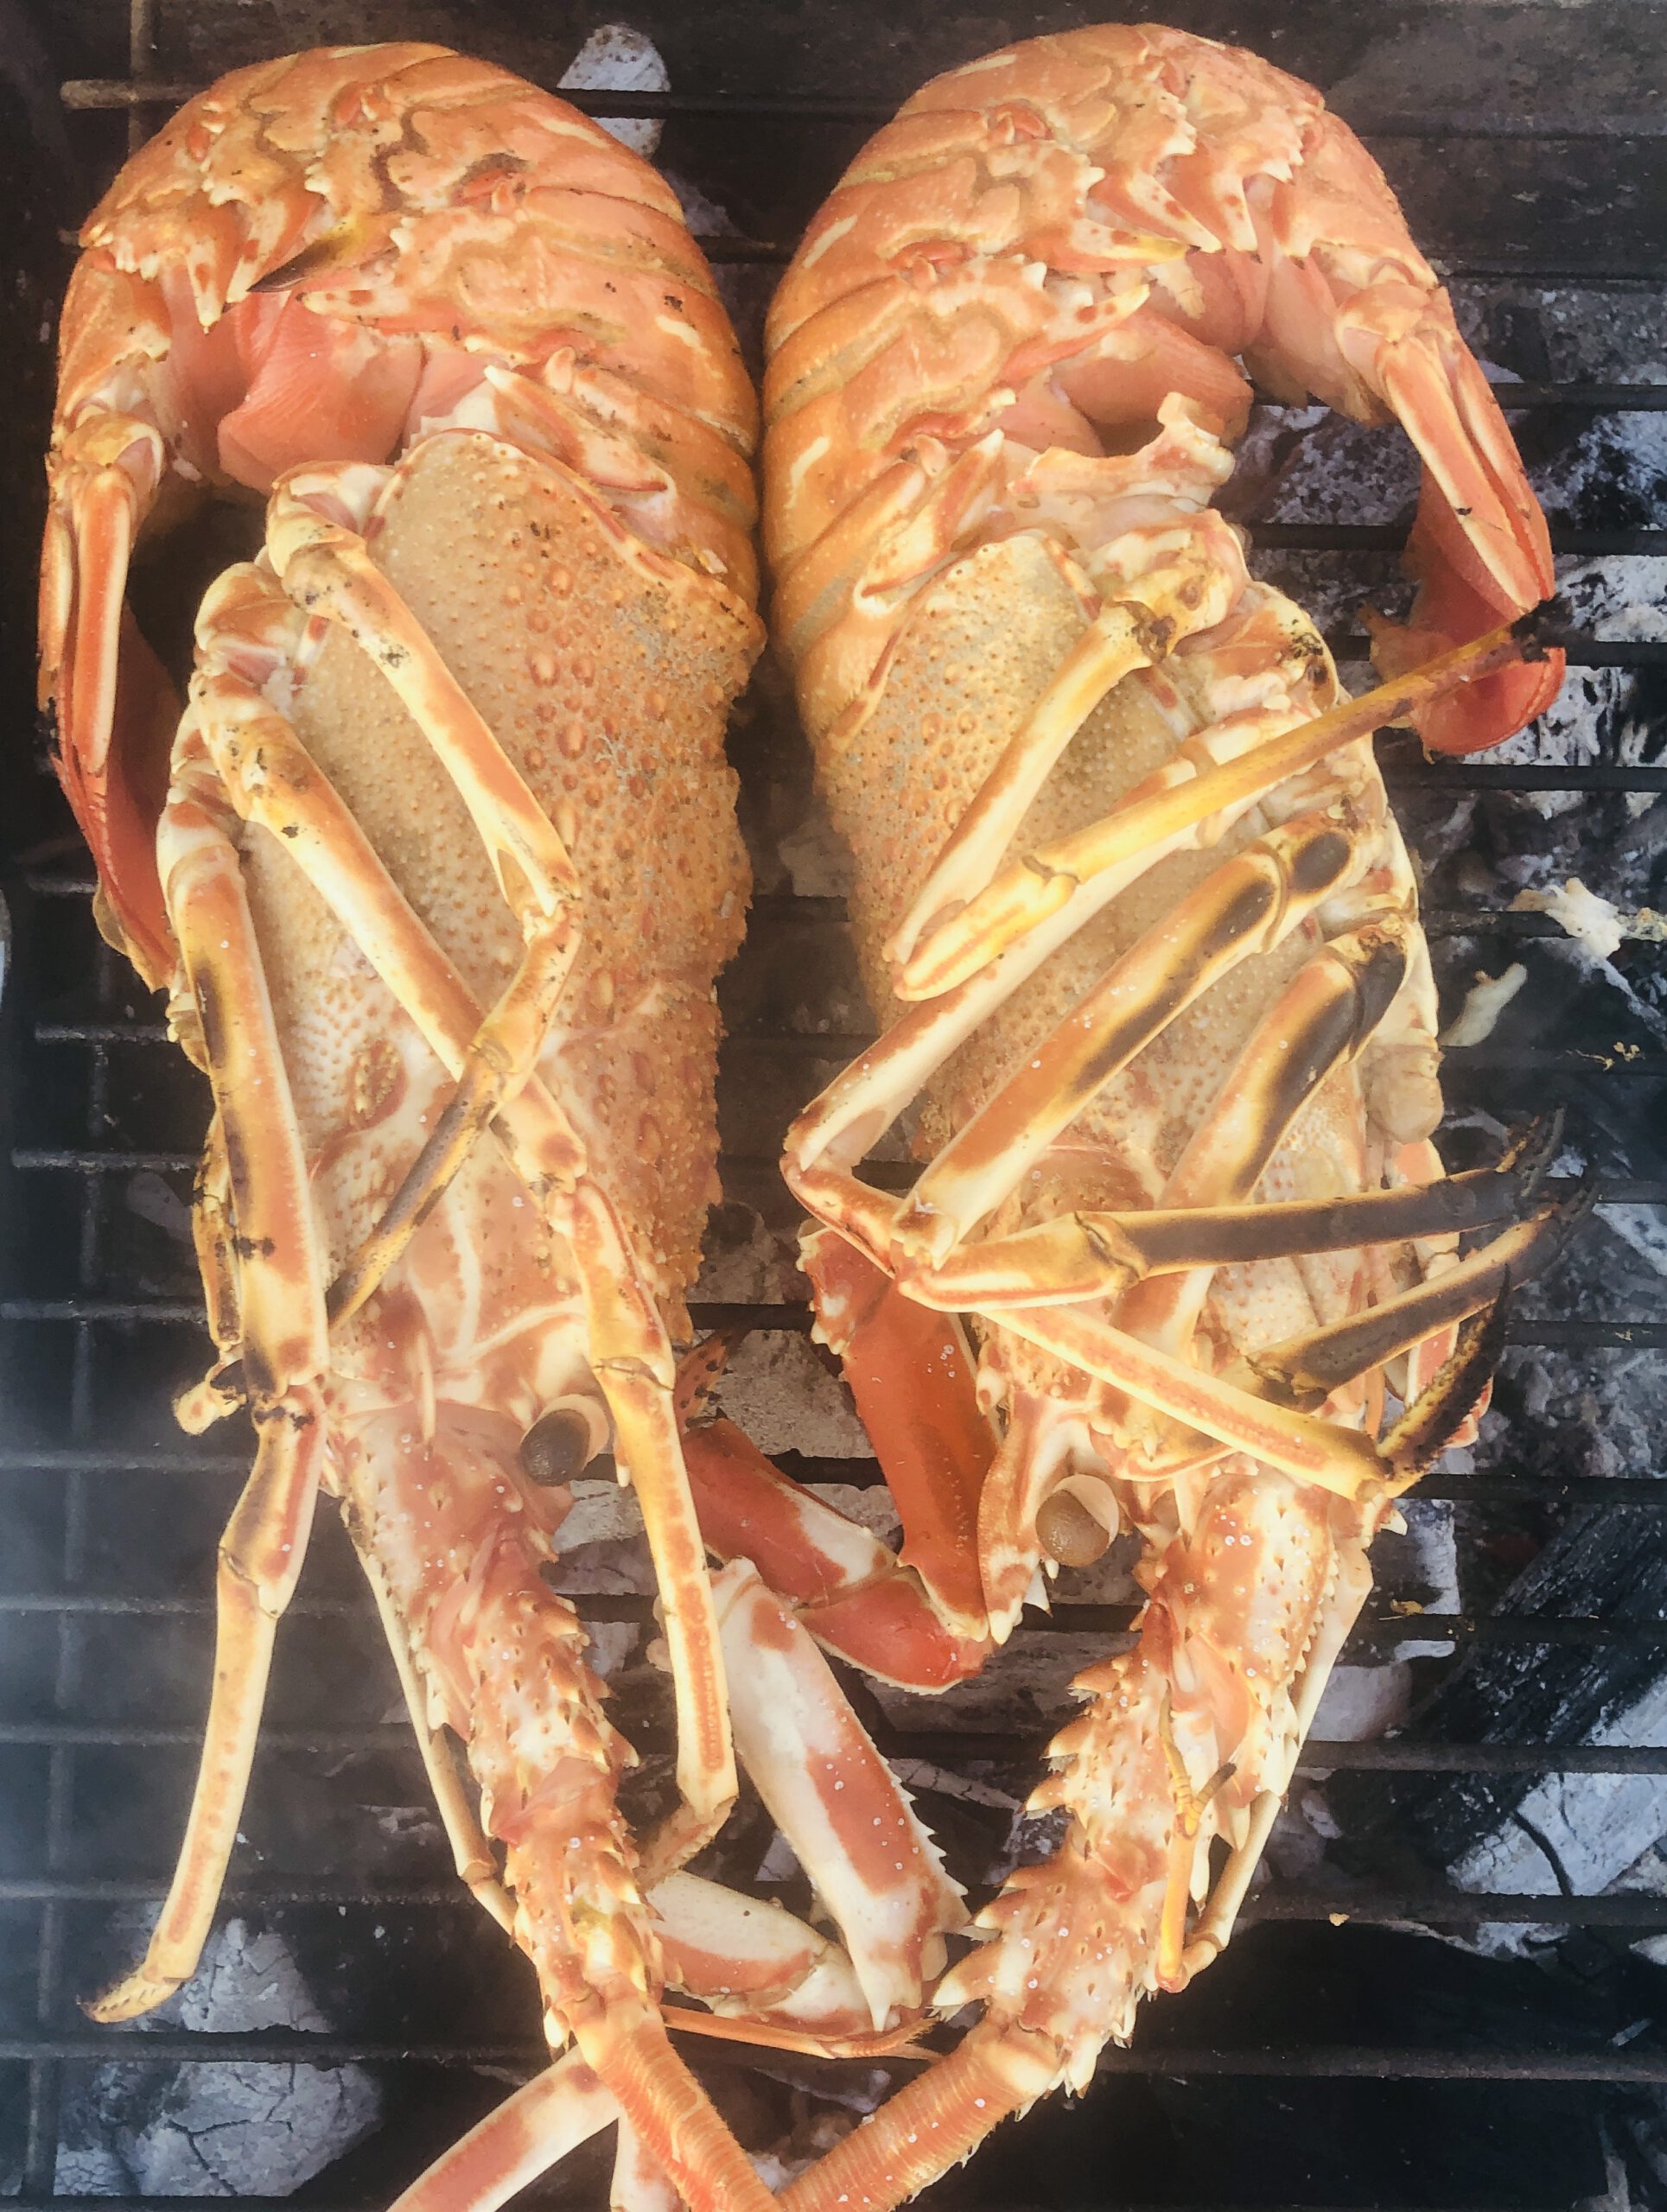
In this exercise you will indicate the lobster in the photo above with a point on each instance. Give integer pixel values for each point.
(438, 866)
(1141, 936)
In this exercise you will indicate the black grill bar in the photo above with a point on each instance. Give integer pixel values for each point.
(1627, 1492)
(829, 1044)
(1386, 538)
(1595, 777)
(1324, 2061)
(1065, 1618)
(61, 1731)
(378, 2204)
(782, 1319)
(82, 94)
(1609, 1190)
(1383, 1755)
(1374, 1905)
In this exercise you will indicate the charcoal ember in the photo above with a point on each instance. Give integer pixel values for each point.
(1523, 1834)
(133, 2126)
(780, 1392)
(1361, 2142)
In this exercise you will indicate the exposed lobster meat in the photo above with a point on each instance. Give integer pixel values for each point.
(1129, 893)
(437, 870)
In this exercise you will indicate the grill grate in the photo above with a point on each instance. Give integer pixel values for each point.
(71, 1318)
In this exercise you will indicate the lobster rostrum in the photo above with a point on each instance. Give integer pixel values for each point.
(437, 868)
(1142, 936)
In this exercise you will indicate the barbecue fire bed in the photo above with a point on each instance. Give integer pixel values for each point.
(1506, 1734)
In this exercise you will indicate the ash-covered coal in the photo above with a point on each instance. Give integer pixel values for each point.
(146, 2127)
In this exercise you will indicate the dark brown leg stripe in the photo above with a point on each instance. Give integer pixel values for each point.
(1223, 1236)
(1310, 1367)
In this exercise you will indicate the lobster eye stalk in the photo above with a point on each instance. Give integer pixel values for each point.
(561, 1444)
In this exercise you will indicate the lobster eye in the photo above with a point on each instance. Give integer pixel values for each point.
(557, 1446)
(1068, 1532)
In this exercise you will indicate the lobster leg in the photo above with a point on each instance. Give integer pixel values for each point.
(1141, 829)
(519, 2140)
(270, 772)
(634, 1366)
(1075, 1257)
(213, 1235)
(116, 710)
(1314, 1451)
(835, 1799)
(1315, 1364)
(639, 2185)
(471, 1851)
(324, 566)
(1249, 903)
(912, 1376)
(272, 779)
(843, 1584)
(1211, 1932)
(1105, 1917)
(764, 1967)
(285, 1346)
(1135, 630)
(770, 1979)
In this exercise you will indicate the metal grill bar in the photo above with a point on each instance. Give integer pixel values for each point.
(1630, 1493)
(1372, 1906)
(378, 2204)
(783, 1319)
(823, 1045)
(55, 1891)
(1065, 1617)
(1324, 2061)
(83, 95)
(1386, 538)
(1319, 1757)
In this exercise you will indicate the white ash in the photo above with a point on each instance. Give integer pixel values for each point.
(1028, 1680)
(940, 1782)
(1485, 1002)
(617, 58)
(603, 1511)
(1622, 598)
(1645, 1228)
(1108, 1580)
(1360, 1703)
(1307, 465)
(1301, 1832)
(136, 2127)
(1579, 333)
(408, 1824)
(870, 1506)
(818, 859)
(1647, 1876)
(1595, 1827)
(778, 1391)
(705, 218)
(1593, 922)
(780, 1863)
(744, 1261)
(1418, 1568)
(1616, 460)
(152, 1199)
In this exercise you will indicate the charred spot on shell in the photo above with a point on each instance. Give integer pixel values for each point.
(1068, 1532)
(563, 1442)
(1320, 861)
(1376, 982)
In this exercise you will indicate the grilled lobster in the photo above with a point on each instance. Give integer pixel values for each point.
(437, 868)
(1143, 938)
